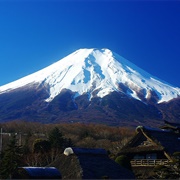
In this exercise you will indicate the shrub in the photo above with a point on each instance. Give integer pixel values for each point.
(124, 161)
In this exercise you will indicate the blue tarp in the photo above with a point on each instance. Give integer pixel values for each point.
(46, 172)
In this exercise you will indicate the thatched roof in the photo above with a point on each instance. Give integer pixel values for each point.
(85, 163)
(167, 139)
(172, 126)
(37, 173)
(86, 151)
(159, 139)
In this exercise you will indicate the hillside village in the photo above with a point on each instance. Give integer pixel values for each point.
(79, 151)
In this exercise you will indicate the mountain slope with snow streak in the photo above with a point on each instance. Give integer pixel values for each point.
(98, 72)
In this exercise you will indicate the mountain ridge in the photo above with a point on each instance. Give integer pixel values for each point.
(90, 86)
(88, 70)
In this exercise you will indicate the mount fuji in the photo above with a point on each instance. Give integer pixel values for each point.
(90, 86)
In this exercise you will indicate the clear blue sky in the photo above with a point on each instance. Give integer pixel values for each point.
(36, 33)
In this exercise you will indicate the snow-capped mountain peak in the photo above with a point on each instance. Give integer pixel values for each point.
(97, 72)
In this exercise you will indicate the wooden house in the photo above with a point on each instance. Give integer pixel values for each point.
(151, 146)
(89, 163)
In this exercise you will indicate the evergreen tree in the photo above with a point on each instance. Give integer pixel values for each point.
(56, 139)
(11, 159)
(57, 142)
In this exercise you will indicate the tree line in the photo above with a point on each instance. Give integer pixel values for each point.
(34, 144)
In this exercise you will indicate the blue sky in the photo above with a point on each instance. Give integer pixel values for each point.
(37, 33)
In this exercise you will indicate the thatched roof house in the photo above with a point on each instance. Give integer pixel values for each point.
(85, 163)
(151, 146)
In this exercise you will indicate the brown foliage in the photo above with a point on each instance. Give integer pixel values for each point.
(81, 135)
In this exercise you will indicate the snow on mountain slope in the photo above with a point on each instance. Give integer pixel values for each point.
(96, 70)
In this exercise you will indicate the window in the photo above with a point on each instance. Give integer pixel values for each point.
(151, 156)
(137, 156)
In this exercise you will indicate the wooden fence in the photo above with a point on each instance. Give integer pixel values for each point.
(149, 162)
